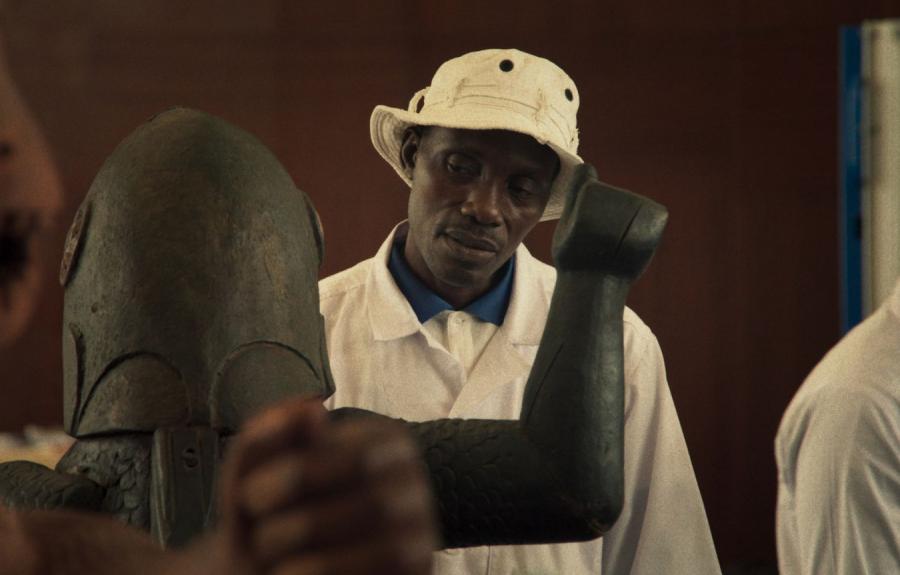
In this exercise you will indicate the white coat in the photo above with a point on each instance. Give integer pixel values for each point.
(838, 454)
(383, 360)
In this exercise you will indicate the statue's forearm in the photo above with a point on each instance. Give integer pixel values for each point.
(494, 487)
(573, 407)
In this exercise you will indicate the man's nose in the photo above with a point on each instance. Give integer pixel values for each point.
(483, 202)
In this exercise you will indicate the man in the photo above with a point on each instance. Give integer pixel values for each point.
(838, 454)
(446, 319)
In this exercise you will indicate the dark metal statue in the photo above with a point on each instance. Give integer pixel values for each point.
(190, 275)
(191, 303)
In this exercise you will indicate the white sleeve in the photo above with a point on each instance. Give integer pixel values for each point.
(846, 488)
(663, 526)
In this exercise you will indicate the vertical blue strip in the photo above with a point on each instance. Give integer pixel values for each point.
(850, 215)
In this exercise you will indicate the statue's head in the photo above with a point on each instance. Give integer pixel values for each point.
(190, 275)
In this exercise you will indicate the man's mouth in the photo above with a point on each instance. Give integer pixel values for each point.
(472, 241)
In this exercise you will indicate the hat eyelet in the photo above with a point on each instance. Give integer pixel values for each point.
(506, 65)
(420, 104)
(569, 95)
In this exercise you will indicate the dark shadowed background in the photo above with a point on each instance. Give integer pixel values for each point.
(723, 110)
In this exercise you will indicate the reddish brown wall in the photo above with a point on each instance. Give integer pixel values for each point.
(724, 110)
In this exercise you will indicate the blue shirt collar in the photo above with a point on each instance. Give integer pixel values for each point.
(490, 307)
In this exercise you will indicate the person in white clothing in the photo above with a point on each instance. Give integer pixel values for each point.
(838, 454)
(446, 319)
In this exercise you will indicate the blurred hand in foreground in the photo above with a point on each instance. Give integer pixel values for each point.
(300, 494)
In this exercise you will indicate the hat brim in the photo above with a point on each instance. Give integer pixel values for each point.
(387, 126)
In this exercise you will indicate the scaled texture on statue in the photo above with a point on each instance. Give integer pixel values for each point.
(191, 303)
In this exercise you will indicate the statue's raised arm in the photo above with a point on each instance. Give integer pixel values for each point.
(557, 473)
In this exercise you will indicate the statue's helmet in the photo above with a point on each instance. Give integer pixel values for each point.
(190, 274)
(30, 199)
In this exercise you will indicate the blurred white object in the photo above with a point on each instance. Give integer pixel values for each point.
(44, 445)
(881, 161)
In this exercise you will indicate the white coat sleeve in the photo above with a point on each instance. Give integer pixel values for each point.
(663, 526)
(843, 515)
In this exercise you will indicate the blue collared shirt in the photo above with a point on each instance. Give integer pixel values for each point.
(490, 307)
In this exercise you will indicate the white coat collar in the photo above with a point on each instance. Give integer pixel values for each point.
(530, 302)
(391, 316)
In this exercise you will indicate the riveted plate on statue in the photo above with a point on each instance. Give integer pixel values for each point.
(73, 243)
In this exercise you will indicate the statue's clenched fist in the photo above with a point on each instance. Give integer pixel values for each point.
(606, 229)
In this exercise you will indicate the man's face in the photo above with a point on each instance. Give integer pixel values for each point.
(475, 195)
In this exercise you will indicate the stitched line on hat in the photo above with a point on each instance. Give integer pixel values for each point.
(530, 116)
(464, 84)
(562, 126)
(562, 120)
(489, 97)
(463, 90)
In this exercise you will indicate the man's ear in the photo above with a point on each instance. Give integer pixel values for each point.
(409, 149)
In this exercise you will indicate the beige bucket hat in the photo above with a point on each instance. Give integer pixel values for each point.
(492, 90)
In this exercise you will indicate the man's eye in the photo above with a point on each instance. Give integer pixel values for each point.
(458, 165)
(522, 189)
